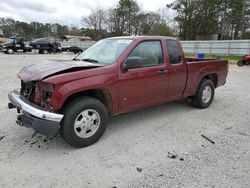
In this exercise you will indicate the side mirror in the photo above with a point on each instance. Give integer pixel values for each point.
(132, 63)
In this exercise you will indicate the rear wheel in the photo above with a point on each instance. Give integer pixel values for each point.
(204, 95)
(240, 63)
(85, 120)
(45, 51)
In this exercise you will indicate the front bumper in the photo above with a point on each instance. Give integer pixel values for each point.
(3, 50)
(43, 122)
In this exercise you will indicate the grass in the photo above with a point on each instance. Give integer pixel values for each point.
(230, 58)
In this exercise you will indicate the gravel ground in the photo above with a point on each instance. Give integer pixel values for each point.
(134, 149)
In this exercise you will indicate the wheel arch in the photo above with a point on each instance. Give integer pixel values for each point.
(101, 94)
(213, 77)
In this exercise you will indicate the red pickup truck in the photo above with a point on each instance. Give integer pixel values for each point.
(113, 76)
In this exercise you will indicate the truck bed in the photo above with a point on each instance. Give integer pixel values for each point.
(199, 68)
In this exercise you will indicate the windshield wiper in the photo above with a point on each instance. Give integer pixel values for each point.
(89, 60)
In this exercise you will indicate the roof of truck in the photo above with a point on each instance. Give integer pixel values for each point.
(142, 37)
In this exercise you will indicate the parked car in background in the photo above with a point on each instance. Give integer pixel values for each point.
(74, 49)
(16, 44)
(45, 46)
(113, 76)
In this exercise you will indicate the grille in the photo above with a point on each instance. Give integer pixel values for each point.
(28, 90)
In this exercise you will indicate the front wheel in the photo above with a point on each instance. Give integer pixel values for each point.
(10, 51)
(85, 120)
(204, 95)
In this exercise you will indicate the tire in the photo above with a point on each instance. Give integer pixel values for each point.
(240, 63)
(85, 120)
(45, 51)
(10, 51)
(204, 95)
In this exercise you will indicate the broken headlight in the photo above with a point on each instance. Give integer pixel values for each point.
(43, 94)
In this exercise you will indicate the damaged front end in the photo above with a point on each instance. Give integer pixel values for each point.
(38, 93)
(35, 98)
(34, 108)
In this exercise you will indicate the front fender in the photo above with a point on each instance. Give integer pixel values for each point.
(64, 91)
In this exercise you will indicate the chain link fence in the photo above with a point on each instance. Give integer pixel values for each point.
(226, 47)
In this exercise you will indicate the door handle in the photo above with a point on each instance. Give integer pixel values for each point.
(162, 71)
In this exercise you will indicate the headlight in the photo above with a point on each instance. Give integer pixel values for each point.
(47, 92)
(43, 93)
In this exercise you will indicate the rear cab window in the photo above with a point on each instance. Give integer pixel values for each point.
(174, 52)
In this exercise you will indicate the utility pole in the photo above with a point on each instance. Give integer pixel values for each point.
(1, 30)
(243, 18)
(223, 20)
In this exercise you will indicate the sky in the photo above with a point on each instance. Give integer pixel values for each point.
(66, 12)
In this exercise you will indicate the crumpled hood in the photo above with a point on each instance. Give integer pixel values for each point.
(39, 71)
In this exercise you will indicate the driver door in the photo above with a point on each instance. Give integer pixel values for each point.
(147, 85)
(18, 43)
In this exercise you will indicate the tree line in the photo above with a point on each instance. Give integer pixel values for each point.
(125, 18)
(229, 19)
(192, 20)
(29, 31)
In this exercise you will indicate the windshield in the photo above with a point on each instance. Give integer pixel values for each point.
(105, 51)
(10, 41)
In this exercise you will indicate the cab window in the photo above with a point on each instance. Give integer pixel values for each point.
(150, 52)
(174, 52)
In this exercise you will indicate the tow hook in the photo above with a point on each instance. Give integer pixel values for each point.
(10, 105)
(19, 120)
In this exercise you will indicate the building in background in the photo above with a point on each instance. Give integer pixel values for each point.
(76, 39)
(79, 41)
